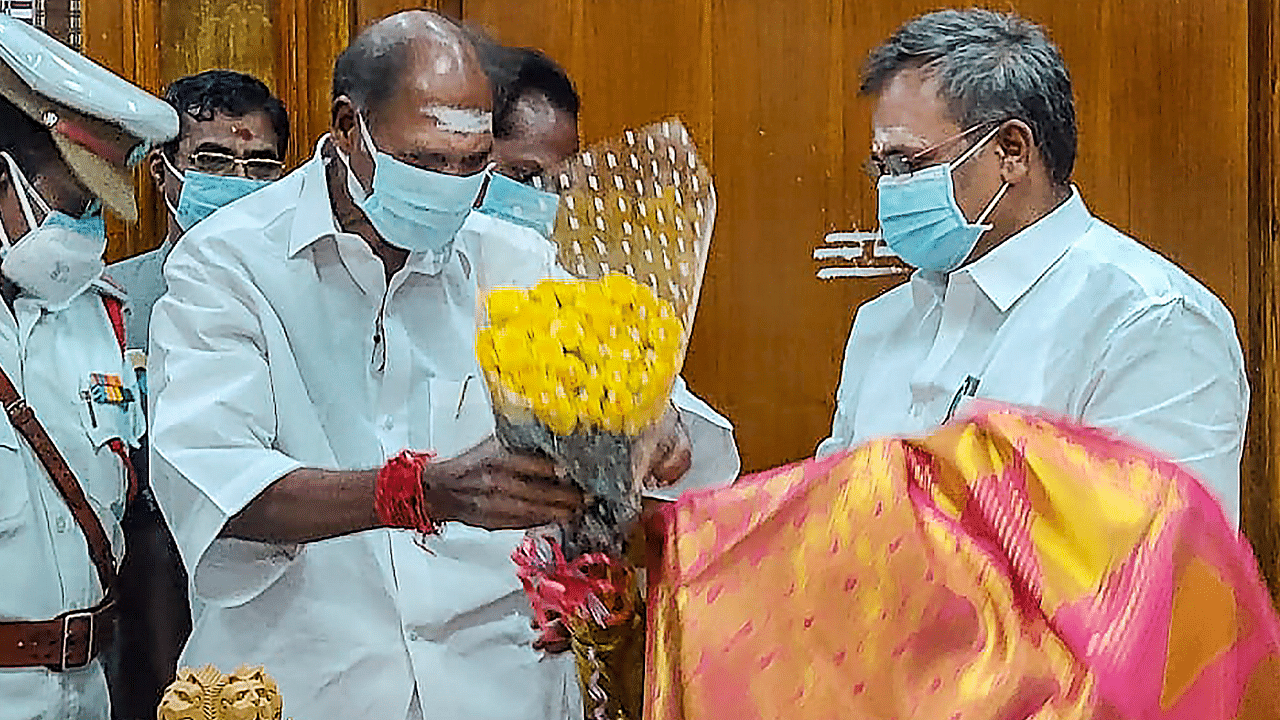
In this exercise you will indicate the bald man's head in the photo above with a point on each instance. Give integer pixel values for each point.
(416, 82)
(385, 56)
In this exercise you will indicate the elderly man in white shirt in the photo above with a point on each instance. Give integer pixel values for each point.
(312, 331)
(1022, 295)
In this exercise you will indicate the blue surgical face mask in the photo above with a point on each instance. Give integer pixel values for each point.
(520, 204)
(203, 193)
(921, 221)
(415, 209)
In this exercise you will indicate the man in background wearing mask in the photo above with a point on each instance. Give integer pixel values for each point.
(69, 131)
(535, 115)
(232, 141)
(1021, 295)
(310, 334)
(535, 128)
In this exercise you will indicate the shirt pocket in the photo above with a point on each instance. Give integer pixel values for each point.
(15, 491)
(107, 413)
(109, 404)
(460, 415)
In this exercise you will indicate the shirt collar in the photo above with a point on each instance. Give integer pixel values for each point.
(314, 218)
(1008, 272)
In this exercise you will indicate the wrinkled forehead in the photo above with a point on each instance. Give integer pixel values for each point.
(443, 92)
(244, 133)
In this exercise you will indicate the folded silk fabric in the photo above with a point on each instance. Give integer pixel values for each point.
(1012, 565)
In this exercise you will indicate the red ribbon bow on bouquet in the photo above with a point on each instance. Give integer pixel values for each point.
(593, 588)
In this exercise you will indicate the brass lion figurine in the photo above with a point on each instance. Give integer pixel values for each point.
(249, 693)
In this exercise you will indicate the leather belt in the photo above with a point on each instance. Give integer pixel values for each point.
(66, 642)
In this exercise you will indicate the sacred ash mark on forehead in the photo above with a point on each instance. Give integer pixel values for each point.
(461, 121)
(896, 138)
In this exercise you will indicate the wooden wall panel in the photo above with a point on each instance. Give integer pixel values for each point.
(310, 35)
(122, 36)
(769, 345)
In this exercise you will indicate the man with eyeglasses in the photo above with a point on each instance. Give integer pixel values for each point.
(233, 141)
(1022, 295)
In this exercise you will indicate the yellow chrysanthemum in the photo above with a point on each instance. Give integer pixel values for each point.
(504, 303)
(568, 331)
(583, 354)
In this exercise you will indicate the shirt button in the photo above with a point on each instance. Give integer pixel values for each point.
(414, 636)
(387, 422)
(62, 524)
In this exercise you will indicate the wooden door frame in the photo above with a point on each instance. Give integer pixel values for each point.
(1260, 482)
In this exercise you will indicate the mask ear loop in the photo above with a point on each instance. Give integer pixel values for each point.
(177, 174)
(23, 187)
(365, 138)
(1004, 187)
(975, 148)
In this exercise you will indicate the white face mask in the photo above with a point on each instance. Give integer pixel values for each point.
(58, 258)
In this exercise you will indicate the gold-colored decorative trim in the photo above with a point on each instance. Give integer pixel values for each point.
(249, 693)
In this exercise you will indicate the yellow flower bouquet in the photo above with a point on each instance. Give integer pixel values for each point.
(581, 365)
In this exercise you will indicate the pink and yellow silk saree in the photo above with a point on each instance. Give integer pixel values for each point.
(1011, 565)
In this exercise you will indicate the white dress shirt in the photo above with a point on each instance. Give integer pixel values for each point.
(50, 356)
(1068, 315)
(280, 345)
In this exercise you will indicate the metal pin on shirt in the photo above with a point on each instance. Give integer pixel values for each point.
(969, 388)
(88, 402)
(462, 396)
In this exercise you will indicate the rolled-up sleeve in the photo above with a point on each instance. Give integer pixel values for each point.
(1172, 377)
(213, 423)
(715, 460)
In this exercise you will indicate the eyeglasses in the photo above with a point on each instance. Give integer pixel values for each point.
(898, 164)
(216, 163)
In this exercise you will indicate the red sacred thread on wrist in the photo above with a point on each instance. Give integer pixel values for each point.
(398, 497)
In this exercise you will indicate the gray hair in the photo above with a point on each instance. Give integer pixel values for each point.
(990, 67)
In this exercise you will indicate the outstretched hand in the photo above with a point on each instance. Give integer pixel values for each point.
(663, 453)
(492, 488)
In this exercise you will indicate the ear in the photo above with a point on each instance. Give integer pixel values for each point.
(155, 168)
(1015, 146)
(342, 124)
(345, 133)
